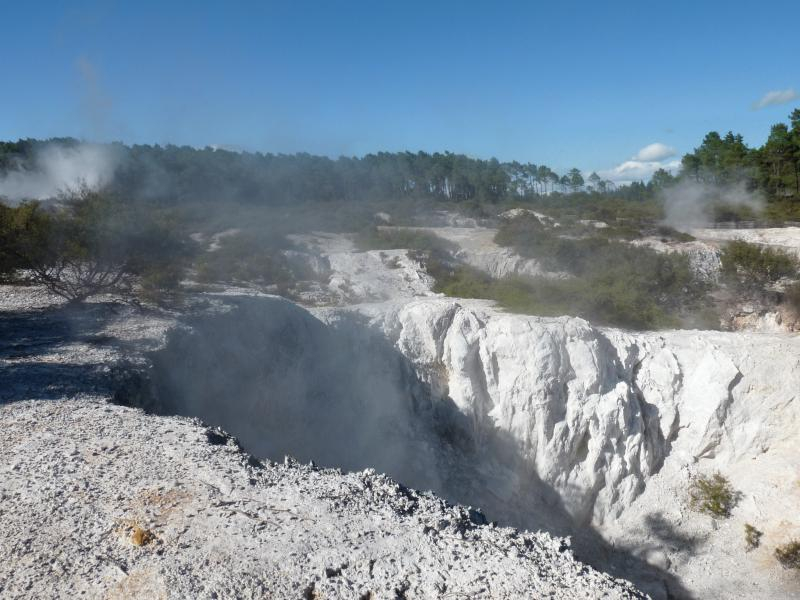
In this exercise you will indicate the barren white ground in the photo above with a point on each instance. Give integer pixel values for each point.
(79, 477)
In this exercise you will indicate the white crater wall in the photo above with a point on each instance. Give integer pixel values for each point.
(598, 411)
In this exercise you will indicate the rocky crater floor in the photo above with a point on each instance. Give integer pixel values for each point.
(103, 501)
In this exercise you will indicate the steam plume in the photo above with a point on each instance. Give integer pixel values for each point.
(56, 169)
(691, 203)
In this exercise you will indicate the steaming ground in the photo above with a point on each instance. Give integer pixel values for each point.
(58, 169)
(547, 424)
(103, 501)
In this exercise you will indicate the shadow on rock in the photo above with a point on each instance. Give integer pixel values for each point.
(37, 362)
(340, 394)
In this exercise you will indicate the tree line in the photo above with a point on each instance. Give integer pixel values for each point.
(179, 174)
(773, 167)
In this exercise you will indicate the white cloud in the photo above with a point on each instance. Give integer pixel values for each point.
(641, 167)
(653, 152)
(776, 97)
(638, 170)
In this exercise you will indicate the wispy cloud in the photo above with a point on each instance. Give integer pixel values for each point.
(641, 167)
(637, 170)
(656, 151)
(776, 97)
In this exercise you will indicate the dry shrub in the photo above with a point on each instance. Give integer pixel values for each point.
(788, 555)
(713, 495)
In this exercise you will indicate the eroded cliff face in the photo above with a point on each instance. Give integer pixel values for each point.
(557, 387)
(545, 423)
(617, 423)
(598, 411)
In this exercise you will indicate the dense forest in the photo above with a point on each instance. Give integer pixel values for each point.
(773, 168)
(176, 175)
(181, 174)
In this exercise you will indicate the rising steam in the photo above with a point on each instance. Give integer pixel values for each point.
(691, 204)
(56, 169)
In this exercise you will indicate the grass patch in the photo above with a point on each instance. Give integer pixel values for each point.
(713, 495)
(614, 283)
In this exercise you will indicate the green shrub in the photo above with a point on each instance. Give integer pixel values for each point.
(611, 209)
(722, 212)
(712, 495)
(91, 243)
(788, 555)
(604, 299)
(751, 265)
(752, 537)
(618, 232)
(24, 231)
(393, 238)
(246, 257)
(666, 232)
(614, 283)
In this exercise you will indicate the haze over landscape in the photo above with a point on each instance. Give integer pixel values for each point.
(611, 87)
(400, 300)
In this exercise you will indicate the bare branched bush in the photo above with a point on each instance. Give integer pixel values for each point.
(90, 244)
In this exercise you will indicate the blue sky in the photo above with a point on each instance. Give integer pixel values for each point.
(586, 84)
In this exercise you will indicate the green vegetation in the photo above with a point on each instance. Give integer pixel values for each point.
(752, 537)
(753, 266)
(667, 234)
(391, 238)
(613, 297)
(613, 283)
(23, 232)
(246, 257)
(788, 555)
(773, 168)
(213, 177)
(712, 495)
(93, 243)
